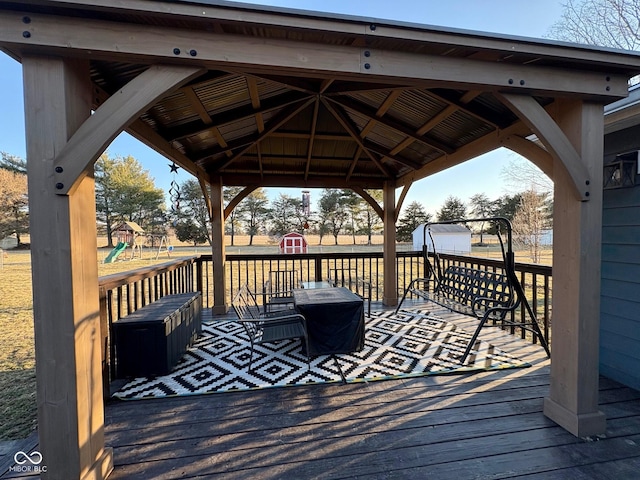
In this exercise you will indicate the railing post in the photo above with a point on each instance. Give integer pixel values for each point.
(105, 336)
(199, 277)
(318, 267)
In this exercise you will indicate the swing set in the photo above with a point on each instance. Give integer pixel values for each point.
(478, 293)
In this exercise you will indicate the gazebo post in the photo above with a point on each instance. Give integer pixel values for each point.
(573, 396)
(220, 306)
(65, 277)
(390, 292)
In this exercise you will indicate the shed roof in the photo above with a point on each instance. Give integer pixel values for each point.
(296, 98)
(444, 228)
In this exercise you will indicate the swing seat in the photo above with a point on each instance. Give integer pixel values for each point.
(482, 294)
(477, 293)
(469, 291)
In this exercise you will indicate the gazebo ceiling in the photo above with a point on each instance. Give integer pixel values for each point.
(417, 95)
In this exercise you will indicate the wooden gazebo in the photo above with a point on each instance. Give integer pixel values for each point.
(248, 96)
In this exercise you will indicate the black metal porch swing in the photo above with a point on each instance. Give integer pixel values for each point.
(479, 293)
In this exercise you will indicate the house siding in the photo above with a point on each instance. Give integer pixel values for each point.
(620, 273)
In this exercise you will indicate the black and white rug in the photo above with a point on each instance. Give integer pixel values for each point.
(396, 346)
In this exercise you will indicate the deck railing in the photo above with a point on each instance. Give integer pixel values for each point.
(124, 293)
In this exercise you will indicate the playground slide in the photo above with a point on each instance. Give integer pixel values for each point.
(115, 252)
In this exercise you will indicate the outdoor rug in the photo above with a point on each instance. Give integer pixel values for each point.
(399, 345)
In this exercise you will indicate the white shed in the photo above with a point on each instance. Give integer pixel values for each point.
(454, 239)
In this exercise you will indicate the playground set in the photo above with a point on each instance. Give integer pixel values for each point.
(131, 235)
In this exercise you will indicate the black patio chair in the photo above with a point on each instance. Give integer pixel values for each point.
(268, 327)
(278, 289)
(349, 278)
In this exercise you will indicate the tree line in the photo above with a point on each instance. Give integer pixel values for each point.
(126, 192)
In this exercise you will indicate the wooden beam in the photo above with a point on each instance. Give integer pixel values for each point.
(385, 153)
(469, 151)
(68, 343)
(84, 38)
(195, 102)
(393, 124)
(238, 114)
(252, 85)
(356, 157)
(390, 290)
(204, 187)
(358, 31)
(577, 231)
(99, 130)
(238, 198)
(275, 123)
(346, 124)
(314, 181)
(220, 306)
(370, 200)
(531, 151)
(382, 109)
(314, 123)
(145, 134)
(553, 138)
(403, 195)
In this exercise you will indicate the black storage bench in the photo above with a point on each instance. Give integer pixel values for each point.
(151, 340)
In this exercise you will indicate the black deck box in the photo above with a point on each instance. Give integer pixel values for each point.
(151, 340)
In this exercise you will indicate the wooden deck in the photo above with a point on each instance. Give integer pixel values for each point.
(485, 425)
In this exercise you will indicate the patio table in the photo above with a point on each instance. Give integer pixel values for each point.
(335, 319)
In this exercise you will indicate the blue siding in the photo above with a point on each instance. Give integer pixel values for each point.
(620, 287)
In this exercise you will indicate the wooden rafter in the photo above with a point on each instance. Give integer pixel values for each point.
(273, 124)
(204, 115)
(236, 115)
(252, 85)
(354, 162)
(368, 112)
(314, 122)
(382, 109)
(346, 124)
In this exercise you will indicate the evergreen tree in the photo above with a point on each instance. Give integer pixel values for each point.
(453, 209)
(481, 207)
(282, 215)
(126, 192)
(14, 211)
(13, 163)
(413, 216)
(192, 222)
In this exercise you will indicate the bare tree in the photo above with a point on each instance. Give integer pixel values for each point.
(607, 23)
(520, 173)
(530, 221)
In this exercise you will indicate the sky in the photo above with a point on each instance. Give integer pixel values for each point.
(484, 174)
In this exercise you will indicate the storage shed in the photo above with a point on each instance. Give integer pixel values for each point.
(448, 238)
(293, 243)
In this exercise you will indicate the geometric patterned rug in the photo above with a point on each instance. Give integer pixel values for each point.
(400, 345)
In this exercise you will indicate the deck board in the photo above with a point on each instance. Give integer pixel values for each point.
(481, 425)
